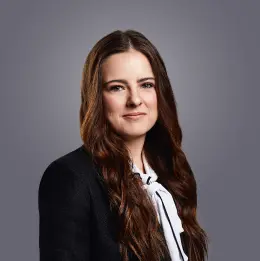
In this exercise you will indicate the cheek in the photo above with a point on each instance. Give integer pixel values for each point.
(112, 105)
(152, 102)
(152, 105)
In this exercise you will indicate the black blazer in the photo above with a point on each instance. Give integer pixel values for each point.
(75, 221)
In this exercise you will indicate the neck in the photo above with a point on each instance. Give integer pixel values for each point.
(135, 148)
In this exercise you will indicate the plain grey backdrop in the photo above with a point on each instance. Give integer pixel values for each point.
(211, 51)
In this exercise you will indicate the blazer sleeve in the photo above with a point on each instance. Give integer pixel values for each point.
(64, 215)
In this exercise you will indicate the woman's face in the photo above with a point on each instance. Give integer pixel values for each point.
(129, 92)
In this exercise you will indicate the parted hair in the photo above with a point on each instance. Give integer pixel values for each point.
(136, 216)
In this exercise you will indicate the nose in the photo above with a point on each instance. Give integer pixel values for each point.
(134, 98)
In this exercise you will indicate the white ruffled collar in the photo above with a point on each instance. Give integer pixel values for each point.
(166, 210)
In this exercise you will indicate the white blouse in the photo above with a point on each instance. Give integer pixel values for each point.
(166, 210)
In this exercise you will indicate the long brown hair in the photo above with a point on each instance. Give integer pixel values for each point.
(137, 219)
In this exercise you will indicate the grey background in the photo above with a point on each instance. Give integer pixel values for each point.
(211, 50)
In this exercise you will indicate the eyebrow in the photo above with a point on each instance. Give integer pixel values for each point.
(125, 82)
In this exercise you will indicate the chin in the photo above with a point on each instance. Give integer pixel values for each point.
(128, 132)
(133, 134)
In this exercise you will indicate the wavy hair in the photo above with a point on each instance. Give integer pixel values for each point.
(136, 216)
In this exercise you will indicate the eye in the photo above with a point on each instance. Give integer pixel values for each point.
(114, 87)
(151, 84)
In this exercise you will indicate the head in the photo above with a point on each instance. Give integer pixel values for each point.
(129, 57)
(128, 86)
(124, 73)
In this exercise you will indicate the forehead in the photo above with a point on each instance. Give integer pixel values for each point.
(127, 65)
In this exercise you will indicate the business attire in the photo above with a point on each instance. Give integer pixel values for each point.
(165, 208)
(75, 221)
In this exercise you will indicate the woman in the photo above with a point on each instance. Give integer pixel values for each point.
(128, 193)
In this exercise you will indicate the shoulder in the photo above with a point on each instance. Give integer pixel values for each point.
(77, 162)
(67, 177)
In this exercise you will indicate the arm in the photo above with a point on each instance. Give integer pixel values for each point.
(64, 215)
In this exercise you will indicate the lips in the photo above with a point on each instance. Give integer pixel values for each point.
(135, 114)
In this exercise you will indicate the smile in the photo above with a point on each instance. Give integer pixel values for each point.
(134, 117)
